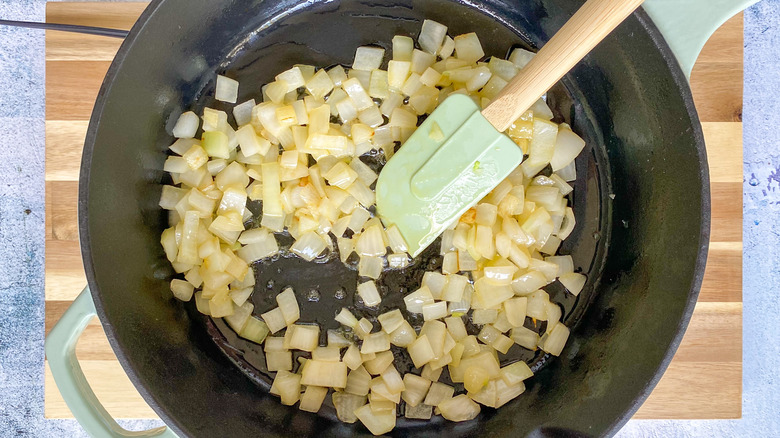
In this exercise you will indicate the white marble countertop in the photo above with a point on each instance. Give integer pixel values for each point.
(22, 237)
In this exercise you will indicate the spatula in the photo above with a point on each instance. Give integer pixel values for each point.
(459, 154)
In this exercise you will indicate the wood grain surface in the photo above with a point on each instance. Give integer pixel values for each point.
(704, 381)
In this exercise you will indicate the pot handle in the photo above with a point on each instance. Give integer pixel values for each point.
(688, 24)
(60, 349)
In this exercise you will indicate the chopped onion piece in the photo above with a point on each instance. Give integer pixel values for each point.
(312, 398)
(182, 290)
(321, 373)
(377, 423)
(419, 412)
(187, 125)
(415, 300)
(240, 316)
(420, 351)
(391, 320)
(288, 305)
(398, 260)
(308, 246)
(573, 282)
(337, 340)
(529, 282)
(288, 386)
(226, 90)
(254, 330)
(397, 73)
(358, 382)
(375, 342)
(483, 359)
(432, 36)
(274, 319)
(369, 293)
(568, 224)
(352, 357)
(484, 316)
(379, 362)
(363, 328)
(537, 305)
(278, 360)
(415, 390)
(434, 310)
(459, 408)
(403, 335)
(370, 267)
(346, 318)
(556, 340)
(368, 58)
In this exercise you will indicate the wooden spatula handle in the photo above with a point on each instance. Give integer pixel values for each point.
(591, 24)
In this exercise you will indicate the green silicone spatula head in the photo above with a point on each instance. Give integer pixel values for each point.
(459, 154)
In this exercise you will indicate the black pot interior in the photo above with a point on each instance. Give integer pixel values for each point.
(641, 204)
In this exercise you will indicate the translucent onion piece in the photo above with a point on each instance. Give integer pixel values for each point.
(308, 246)
(556, 340)
(288, 305)
(187, 125)
(415, 300)
(377, 423)
(368, 58)
(240, 316)
(321, 373)
(312, 398)
(434, 310)
(288, 386)
(370, 267)
(226, 90)
(459, 408)
(573, 282)
(403, 335)
(274, 319)
(420, 351)
(379, 362)
(358, 382)
(416, 389)
(254, 330)
(182, 290)
(369, 293)
(391, 320)
(432, 36)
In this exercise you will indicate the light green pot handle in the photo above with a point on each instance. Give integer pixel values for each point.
(61, 352)
(688, 24)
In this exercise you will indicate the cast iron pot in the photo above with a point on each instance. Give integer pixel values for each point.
(641, 203)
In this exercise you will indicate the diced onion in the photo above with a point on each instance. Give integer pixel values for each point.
(182, 290)
(432, 36)
(369, 293)
(368, 58)
(459, 408)
(390, 321)
(415, 300)
(434, 310)
(187, 125)
(573, 282)
(309, 246)
(556, 340)
(274, 319)
(370, 267)
(322, 373)
(377, 422)
(227, 89)
(375, 342)
(420, 351)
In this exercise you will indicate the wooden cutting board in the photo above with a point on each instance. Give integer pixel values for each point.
(704, 381)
